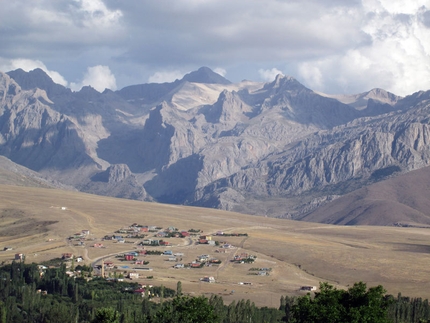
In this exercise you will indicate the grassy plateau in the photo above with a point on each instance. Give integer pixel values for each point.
(37, 222)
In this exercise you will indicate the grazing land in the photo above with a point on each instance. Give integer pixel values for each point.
(38, 222)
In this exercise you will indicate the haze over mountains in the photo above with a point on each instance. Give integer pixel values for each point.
(276, 149)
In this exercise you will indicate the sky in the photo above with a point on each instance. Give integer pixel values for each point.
(332, 46)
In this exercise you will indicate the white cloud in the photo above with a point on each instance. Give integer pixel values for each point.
(96, 14)
(221, 71)
(396, 57)
(165, 76)
(99, 77)
(269, 75)
(27, 65)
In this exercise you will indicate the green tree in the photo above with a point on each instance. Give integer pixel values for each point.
(184, 309)
(356, 305)
(179, 288)
(106, 315)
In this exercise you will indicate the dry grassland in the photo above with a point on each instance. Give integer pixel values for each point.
(33, 222)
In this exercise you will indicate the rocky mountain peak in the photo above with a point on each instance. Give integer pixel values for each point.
(205, 75)
(37, 78)
(285, 83)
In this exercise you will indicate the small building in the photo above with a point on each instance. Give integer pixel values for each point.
(168, 253)
(185, 233)
(67, 256)
(172, 259)
(86, 232)
(178, 266)
(308, 288)
(128, 257)
(19, 256)
(109, 264)
(98, 245)
(70, 273)
(133, 275)
(208, 279)
(140, 291)
(211, 242)
(203, 257)
(7, 248)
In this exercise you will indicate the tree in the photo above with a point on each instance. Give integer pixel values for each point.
(356, 305)
(184, 309)
(106, 315)
(179, 288)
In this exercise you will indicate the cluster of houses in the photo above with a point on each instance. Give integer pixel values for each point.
(80, 237)
(244, 258)
(204, 260)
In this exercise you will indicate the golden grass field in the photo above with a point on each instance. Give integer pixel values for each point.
(299, 253)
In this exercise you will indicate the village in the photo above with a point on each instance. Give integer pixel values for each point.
(153, 254)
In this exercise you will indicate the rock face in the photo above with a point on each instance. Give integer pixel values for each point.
(278, 149)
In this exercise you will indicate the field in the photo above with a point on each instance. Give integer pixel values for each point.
(37, 222)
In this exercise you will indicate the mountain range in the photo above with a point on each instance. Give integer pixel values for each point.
(275, 149)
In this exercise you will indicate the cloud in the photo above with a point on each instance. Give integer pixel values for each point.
(94, 13)
(269, 75)
(165, 76)
(338, 46)
(49, 29)
(395, 58)
(27, 65)
(221, 71)
(99, 77)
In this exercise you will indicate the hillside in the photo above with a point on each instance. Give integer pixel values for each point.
(402, 201)
(36, 222)
(14, 174)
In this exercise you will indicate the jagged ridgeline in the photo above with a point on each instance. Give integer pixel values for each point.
(276, 149)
